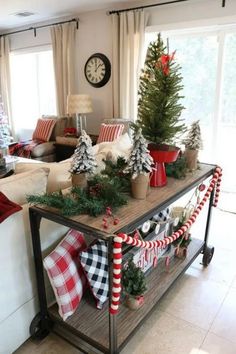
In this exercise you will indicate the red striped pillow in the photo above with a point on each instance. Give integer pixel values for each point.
(43, 130)
(110, 132)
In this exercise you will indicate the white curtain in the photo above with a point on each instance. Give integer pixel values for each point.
(5, 79)
(128, 32)
(64, 49)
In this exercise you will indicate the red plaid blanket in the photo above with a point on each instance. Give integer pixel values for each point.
(24, 148)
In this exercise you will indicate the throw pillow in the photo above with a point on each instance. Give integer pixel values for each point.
(44, 129)
(17, 187)
(66, 277)
(7, 207)
(110, 132)
(162, 216)
(94, 261)
(59, 176)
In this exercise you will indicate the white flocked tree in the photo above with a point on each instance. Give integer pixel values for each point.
(140, 162)
(84, 160)
(193, 140)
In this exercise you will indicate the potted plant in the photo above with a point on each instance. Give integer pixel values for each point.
(134, 285)
(159, 107)
(181, 215)
(139, 166)
(193, 142)
(83, 162)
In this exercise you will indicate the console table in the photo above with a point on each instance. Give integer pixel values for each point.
(88, 326)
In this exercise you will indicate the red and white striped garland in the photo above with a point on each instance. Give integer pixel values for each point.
(117, 245)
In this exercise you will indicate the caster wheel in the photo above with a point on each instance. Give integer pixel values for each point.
(36, 329)
(207, 256)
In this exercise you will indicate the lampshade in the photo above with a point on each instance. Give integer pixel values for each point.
(79, 104)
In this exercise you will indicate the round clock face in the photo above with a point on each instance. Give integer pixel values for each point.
(97, 70)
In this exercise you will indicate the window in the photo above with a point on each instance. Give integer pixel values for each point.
(32, 89)
(209, 79)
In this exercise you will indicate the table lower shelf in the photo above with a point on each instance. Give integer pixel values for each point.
(92, 325)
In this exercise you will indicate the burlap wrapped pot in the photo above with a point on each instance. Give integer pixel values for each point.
(191, 158)
(79, 180)
(139, 186)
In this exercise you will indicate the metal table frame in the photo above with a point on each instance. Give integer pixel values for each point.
(42, 324)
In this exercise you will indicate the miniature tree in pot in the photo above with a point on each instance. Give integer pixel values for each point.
(83, 162)
(193, 142)
(134, 285)
(139, 165)
(159, 107)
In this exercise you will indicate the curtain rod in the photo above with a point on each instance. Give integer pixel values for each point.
(152, 5)
(42, 26)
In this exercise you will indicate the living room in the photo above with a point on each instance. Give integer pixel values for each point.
(212, 25)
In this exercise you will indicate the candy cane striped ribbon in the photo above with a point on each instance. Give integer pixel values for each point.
(117, 245)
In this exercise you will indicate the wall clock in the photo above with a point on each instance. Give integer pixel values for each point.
(97, 70)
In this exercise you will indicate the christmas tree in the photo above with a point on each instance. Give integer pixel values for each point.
(84, 159)
(193, 140)
(140, 162)
(159, 106)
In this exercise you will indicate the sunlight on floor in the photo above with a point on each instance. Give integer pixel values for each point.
(198, 351)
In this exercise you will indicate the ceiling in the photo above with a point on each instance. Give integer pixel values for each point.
(44, 10)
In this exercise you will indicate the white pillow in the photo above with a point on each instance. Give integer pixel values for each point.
(119, 147)
(59, 176)
(100, 163)
(18, 187)
(123, 143)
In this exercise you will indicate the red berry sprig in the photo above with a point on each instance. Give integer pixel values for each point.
(116, 221)
(105, 223)
(109, 215)
(108, 211)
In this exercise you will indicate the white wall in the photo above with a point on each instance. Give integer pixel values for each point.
(94, 35)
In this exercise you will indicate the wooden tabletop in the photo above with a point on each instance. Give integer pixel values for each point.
(136, 211)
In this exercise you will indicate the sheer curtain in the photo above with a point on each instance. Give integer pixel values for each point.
(5, 79)
(128, 32)
(64, 48)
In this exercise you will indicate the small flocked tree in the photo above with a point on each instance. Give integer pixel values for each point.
(159, 106)
(140, 162)
(193, 140)
(193, 143)
(84, 159)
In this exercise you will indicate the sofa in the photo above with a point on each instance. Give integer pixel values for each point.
(18, 296)
(44, 151)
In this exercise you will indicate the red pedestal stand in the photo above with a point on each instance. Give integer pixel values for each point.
(160, 157)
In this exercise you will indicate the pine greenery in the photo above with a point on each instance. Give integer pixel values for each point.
(177, 169)
(140, 161)
(116, 170)
(193, 140)
(133, 279)
(83, 159)
(102, 192)
(159, 106)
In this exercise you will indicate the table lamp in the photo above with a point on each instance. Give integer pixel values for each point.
(79, 105)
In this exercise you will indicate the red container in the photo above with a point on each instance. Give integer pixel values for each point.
(160, 155)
